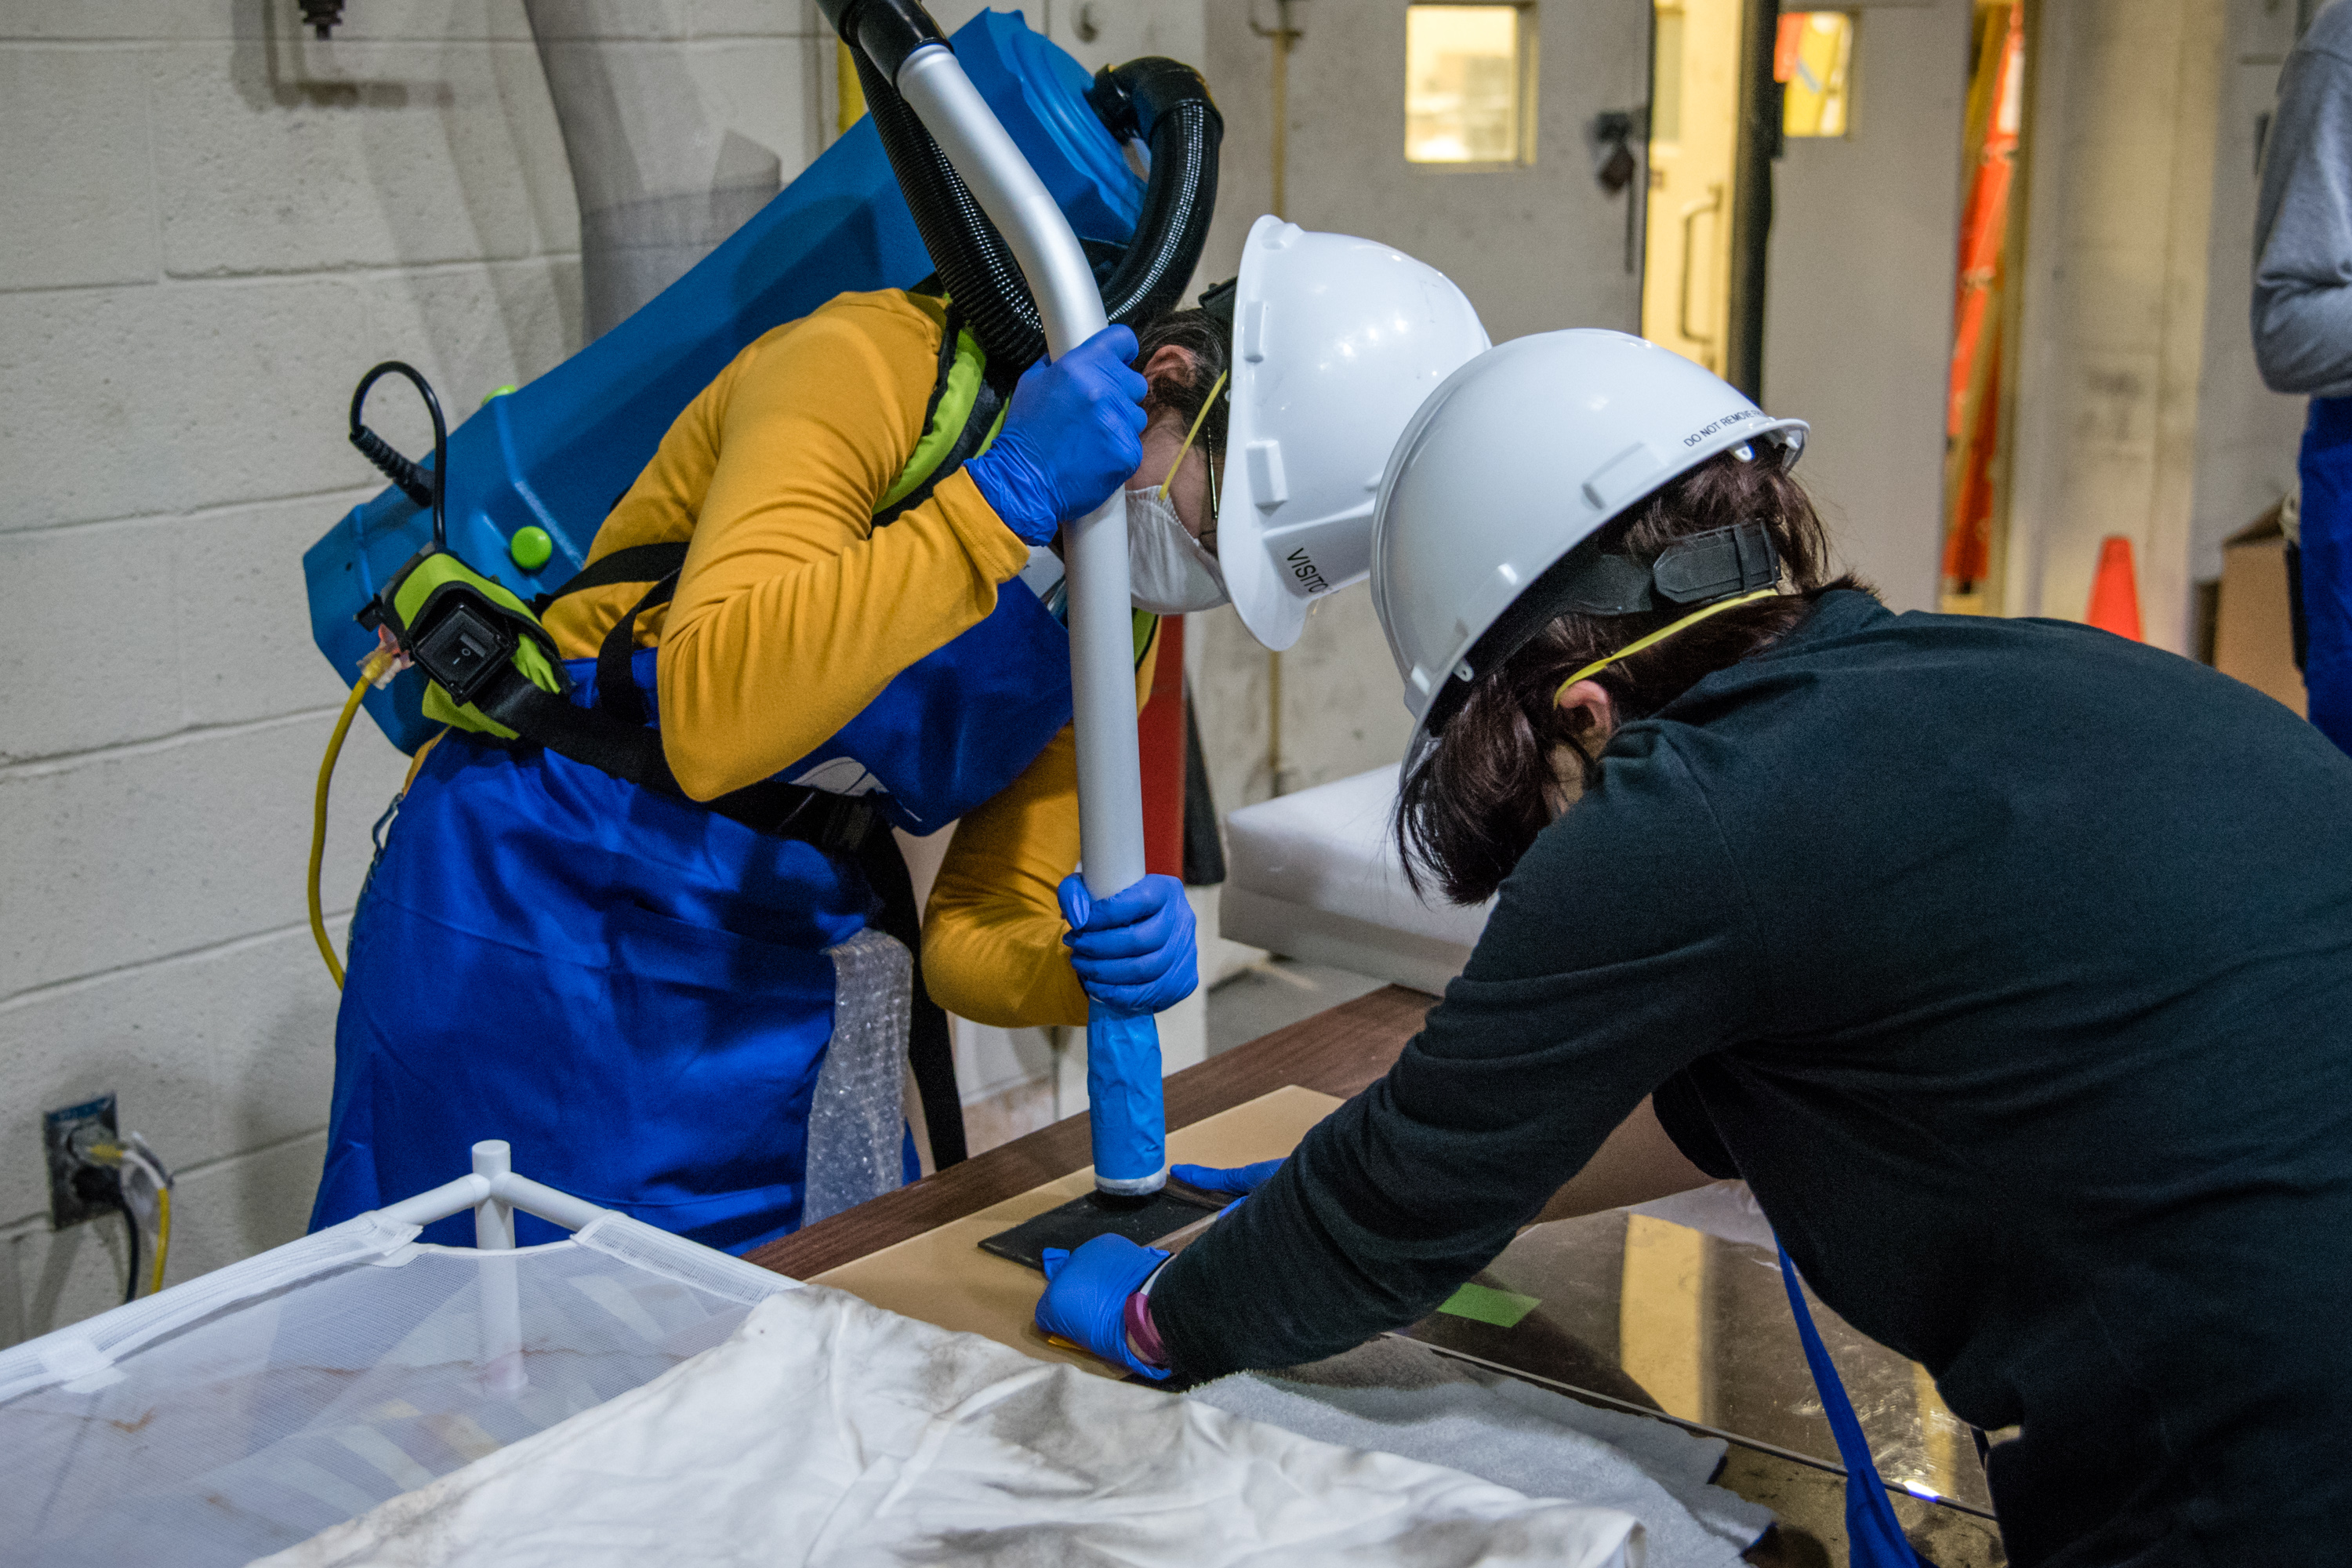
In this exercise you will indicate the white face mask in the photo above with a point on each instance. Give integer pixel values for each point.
(1168, 571)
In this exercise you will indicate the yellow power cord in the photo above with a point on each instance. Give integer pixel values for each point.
(119, 1156)
(371, 671)
(163, 1236)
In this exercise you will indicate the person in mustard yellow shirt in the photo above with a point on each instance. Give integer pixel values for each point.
(834, 593)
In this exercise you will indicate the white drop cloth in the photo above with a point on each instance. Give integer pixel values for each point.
(1398, 1397)
(828, 1431)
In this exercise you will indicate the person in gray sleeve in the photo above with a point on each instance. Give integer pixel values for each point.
(2303, 333)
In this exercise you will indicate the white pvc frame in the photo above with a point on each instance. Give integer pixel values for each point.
(494, 1192)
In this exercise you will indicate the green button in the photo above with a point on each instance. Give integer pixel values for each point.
(1484, 1304)
(530, 548)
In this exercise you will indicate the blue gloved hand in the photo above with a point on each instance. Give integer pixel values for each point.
(1239, 1180)
(1086, 1296)
(1073, 436)
(1133, 950)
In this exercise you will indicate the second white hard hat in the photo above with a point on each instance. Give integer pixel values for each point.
(1522, 455)
(1336, 342)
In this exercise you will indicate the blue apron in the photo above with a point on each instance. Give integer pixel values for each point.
(629, 988)
(2328, 566)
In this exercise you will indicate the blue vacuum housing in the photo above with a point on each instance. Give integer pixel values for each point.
(558, 453)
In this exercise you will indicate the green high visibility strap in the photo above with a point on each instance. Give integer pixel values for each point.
(956, 396)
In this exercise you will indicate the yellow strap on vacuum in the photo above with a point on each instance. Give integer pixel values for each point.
(1656, 637)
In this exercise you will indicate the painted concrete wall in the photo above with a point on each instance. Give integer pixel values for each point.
(2246, 434)
(1858, 319)
(1535, 249)
(209, 226)
(2126, 99)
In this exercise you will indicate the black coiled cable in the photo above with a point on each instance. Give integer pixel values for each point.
(413, 483)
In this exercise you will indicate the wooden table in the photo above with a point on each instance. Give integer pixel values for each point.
(1338, 1052)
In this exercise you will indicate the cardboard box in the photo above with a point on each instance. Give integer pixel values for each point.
(2254, 636)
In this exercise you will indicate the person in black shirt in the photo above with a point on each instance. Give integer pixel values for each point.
(2009, 962)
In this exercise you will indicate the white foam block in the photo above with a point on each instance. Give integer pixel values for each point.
(1315, 875)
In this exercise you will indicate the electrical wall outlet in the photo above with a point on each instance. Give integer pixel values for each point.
(72, 1200)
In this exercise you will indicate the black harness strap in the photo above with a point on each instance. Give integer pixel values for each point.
(836, 824)
(635, 563)
(616, 682)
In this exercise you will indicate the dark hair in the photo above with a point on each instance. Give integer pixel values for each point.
(1493, 779)
(1205, 338)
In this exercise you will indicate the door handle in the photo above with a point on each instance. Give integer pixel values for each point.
(1691, 214)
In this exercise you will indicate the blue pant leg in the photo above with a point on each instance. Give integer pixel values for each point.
(2327, 471)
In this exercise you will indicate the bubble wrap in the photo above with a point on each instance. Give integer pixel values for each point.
(857, 1117)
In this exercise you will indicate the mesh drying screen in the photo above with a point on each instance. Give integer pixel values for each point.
(263, 1424)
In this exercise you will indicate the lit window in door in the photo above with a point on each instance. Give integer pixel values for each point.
(1468, 95)
(1812, 62)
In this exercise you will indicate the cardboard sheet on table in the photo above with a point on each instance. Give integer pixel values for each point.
(943, 1277)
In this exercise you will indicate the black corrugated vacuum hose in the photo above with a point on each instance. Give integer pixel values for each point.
(1162, 102)
(1165, 105)
(975, 265)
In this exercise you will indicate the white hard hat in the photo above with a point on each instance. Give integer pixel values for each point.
(1336, 342)
(1525, 453)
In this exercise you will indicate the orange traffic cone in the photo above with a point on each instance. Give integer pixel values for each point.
(2115, 591)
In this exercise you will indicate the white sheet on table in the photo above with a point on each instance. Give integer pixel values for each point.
(829, 1431)
(1400, 1397)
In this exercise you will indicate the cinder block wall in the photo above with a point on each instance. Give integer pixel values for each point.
(209, 224)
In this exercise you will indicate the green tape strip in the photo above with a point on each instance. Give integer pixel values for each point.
(1483, 1304)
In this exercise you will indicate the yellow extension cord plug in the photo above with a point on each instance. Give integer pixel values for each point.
(125, 1156)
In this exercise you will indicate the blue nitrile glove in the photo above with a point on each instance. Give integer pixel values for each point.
(1133, 950)
(1072, 436)
(1086, 1296)
(1239, 1180)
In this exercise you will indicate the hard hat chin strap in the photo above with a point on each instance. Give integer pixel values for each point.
(1716, 571)
(1694, 570)
(1711, 571)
